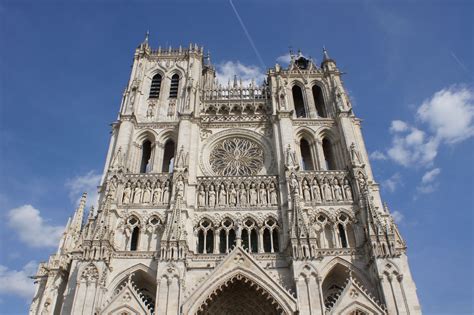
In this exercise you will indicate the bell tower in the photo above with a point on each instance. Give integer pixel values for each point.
(231, 198)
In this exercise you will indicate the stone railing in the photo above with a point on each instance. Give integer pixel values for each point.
(237, 192)
(235, 93)
(325, 187)
(150, 189)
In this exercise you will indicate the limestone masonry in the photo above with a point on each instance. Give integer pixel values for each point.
(255, 199)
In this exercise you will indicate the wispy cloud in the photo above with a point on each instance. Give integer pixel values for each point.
(392, 183)
(32, 229)
(428, 181)
(226, 71)
(84, 183)
(397, 216)
(17, 282)
(459, 62)
(378, 155)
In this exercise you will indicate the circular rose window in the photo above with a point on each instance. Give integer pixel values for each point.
(236, 157)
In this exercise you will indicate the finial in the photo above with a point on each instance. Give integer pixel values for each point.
(325, 54)
(147, 35)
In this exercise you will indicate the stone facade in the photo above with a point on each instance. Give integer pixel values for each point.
(233, 199)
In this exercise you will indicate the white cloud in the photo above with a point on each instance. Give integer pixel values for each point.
(227, 70)
(428, 183)
(32, 229)
(17, 282)
(85, 183)
(398, 126)
(449, 114)
(284, 59)
(392, 183)
(397, 216)
(378, 155)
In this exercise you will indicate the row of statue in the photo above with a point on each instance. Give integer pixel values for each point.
(326, 191)
(146, 193)
(237, 195)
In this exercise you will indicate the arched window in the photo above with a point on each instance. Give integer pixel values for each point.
(276, 241)
(328, 155)
(270, 237)
(298, 101)
(205, 238)
(168, 157)
(319, 101)
(134, 239)
(145, 165)
(174, 86)
(306, 159)
(226, 236)
(267, 241)
(155, 87)
(250, 236)
(342, 235)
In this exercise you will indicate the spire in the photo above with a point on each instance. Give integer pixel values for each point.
(76, 223)
(325, 54)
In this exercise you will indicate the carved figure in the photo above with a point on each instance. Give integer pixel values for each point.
(149, 111)
(137, 193)
(147, 193)
(232, 195)
(355, 156)
(166, 192)
(201, 196)
(222, 195)
(327, 192)
(306, 191)
(212, 196)
(243, 195)
(347, 190)
(263, 194)
(179, 187)
(337, 190)
(127, 194)
(294, 184)
(157, 193)
(117, 162)
(253, 195)
(273, 194)
(316, 191)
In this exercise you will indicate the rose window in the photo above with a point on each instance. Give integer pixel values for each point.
(236, 157)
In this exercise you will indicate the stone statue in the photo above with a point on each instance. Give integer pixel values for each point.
(347, 190)
(294, 184)
(222, 195)
(147, 193)
(337, 190)
(243, 195)
(263, 194)
(273, 194)
(201, 196)
(316, 191)
(327, 192)
(232, 195)
(290, 157)
(340, 99)
(127, 193)
(171, 107)
(306, 191)
(149, 111)
(253, 195)
(212, 196)
(137, 193)
(117, 162)
(179, 187)
(166, 192)
(157, 193)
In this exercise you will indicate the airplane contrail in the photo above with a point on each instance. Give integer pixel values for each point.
(248, 35)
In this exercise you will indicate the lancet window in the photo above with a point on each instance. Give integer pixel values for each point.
(319, 101)
(145, 165)
(226, 236)
(250, 236)
(306, 156)
(270, 237)
(329, 158)
(168, 157)
(205, 237)
(155, 87)
(174, 86)
(298, 101)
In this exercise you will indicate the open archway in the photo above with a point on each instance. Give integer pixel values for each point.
(240, 296)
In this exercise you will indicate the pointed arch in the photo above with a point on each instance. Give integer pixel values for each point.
(319, 101)
(299, 101)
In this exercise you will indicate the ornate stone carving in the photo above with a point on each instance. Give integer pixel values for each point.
(237, 157)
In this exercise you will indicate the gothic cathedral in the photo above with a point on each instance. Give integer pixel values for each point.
(237, 199)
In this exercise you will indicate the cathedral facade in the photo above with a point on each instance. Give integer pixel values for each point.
(235, 199)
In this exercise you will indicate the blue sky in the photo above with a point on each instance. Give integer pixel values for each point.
(409, 71)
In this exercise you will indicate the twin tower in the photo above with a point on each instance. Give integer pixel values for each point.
(231, 199)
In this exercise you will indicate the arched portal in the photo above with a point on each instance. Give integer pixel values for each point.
(240, 296)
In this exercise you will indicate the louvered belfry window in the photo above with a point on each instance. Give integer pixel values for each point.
(174, 86)
(155, 86)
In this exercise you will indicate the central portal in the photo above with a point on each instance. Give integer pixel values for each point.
(240, 297)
